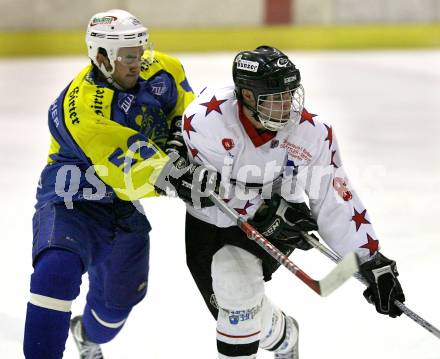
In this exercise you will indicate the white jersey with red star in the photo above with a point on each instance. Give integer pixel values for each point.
(300, 161)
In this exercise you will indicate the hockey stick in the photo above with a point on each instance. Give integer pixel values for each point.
(336, 258)
(343, 270)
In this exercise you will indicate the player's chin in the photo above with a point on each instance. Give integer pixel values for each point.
(130, 81)
(282, 119)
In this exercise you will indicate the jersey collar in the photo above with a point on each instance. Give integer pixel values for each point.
(258, 139)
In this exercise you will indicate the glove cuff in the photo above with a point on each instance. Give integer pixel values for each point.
(371, 270)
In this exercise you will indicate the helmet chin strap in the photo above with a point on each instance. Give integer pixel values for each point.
(254, 112)
(108, 76)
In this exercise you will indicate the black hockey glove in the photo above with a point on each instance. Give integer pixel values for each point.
(190, 182)
(384, 287)
(277, 219)
(175, 142)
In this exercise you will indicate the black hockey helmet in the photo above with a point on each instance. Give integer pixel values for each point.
(267, 71)
(264, 70)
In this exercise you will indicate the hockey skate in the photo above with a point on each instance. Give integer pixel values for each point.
(87, 349)
(286, 350)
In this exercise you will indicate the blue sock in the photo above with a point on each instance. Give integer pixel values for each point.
(46, 333)
(57, 274)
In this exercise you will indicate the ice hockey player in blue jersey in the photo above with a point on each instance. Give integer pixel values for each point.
(109, 132)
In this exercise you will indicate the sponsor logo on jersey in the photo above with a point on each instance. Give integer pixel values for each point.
(106, 20)
(98, 102)
(126, 102)
(73, 95)
(228, 144)
(247, 65)
(297, 152)
(159, 88)
(146, 63)
(54, 113)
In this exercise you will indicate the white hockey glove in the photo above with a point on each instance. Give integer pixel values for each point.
(381, 273)
(279, 220)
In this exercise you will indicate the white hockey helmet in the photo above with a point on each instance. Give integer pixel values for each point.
(112, 30)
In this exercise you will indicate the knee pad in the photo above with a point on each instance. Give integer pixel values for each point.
(122, 280)
(56, 279)
(237, 278)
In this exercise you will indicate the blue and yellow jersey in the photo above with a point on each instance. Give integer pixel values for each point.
(106, 142)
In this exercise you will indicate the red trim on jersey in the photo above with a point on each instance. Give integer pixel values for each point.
(258, 139)
(238, 336)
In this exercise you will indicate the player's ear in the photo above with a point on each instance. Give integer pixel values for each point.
(248, 96)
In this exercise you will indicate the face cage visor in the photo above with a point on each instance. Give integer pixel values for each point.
(276, 110)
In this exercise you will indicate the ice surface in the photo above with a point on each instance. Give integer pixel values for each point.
(385, 109)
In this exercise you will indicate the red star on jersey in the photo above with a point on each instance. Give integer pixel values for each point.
(329, 136)
(194, 152)
(187, 125)
(243, 211)
(359, 218)
(307, 117)
(213, 105)
(332, 161)
(372, 245)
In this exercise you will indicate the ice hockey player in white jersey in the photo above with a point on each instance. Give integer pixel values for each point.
(271, 154)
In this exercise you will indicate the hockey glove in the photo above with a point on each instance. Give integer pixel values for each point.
(190, 182)
(384, 287)
(279, 220)
(175, 142)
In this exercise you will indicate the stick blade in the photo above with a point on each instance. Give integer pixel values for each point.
(348, 266)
